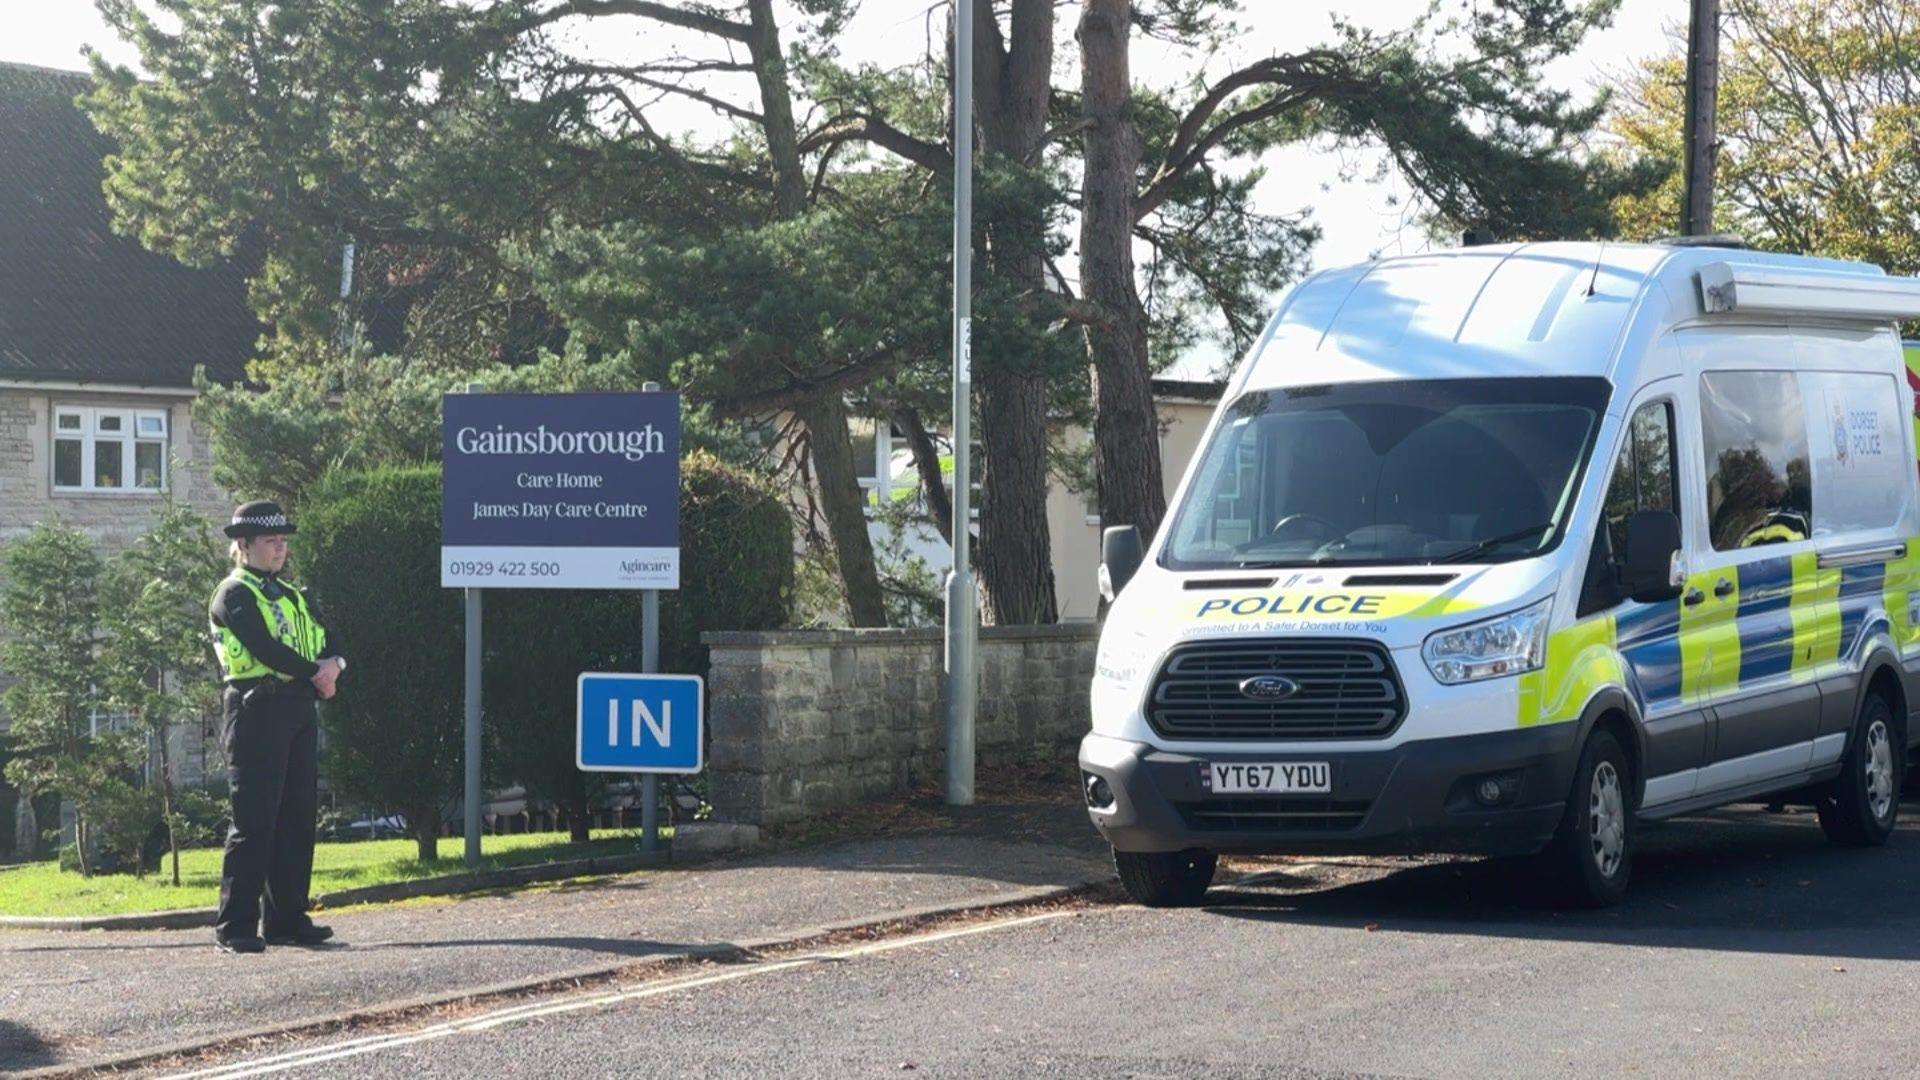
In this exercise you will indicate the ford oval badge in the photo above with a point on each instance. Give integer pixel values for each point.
(1268, 688)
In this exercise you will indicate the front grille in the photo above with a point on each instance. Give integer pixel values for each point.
(1272, 814)
(1348, 690)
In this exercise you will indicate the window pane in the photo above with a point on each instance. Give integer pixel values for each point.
(109, 464)
(149, 461)
(1643, 476)
(66, 463)
(1759, 487)
(153, 424)
(1861, 473)
(112, 422)
(69, 421)
(861, 432)
(1653, 458)
(1619, 502)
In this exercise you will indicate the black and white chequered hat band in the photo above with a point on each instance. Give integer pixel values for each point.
(262, 517)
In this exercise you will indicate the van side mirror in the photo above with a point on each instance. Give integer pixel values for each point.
(1646, 571)
(1120, 555)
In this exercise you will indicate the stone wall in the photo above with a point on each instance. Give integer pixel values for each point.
(801, 721)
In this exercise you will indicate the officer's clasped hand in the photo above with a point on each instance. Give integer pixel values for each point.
(324, 679)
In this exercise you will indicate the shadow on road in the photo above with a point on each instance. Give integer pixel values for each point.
(22, 1048)
(1738, 880)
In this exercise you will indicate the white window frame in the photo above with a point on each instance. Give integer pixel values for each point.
(877, 489)
(94, 439)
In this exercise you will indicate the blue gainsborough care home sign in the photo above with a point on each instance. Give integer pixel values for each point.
(561, 491)
(639, 723)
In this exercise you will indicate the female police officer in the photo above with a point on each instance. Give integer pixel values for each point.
(276, 659)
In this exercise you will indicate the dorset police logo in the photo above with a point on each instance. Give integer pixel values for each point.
(1268, 688)
(1839, 425)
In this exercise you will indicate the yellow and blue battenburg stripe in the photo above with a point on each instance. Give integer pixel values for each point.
(1785, 620)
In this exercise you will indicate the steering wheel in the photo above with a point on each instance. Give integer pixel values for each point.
(1326, 527)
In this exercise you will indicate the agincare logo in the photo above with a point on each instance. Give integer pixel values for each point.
(634, 445)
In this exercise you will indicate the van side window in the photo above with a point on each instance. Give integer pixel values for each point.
(1759, 483)
(1643, 478)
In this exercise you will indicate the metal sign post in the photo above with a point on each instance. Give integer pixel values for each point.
(471, 798)
(960, 619)
(649, 664)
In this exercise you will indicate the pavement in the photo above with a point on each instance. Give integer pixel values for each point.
(1748, 947)
(74, 999)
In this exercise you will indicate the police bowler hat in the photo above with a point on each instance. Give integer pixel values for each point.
(262, 517)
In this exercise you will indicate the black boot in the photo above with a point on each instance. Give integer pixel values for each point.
(310, 933)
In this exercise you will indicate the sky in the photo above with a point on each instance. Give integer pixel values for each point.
(1359, 219)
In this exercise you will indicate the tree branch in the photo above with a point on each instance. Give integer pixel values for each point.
(926, 461)
(633, 74)
(664, 147)
(704, 22)
(1296, 74)
(869, 128)
(799, 390)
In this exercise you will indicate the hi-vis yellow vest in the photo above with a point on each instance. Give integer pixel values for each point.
(287, 620)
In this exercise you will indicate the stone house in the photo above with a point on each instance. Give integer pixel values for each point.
(99, 339)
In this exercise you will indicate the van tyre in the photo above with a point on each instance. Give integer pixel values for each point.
(1590, 858)
(1866, 798)
(1166, 879)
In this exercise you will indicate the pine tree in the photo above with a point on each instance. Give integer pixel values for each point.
(157, 661)
(48, 624)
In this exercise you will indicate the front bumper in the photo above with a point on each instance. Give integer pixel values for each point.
(1416, 797)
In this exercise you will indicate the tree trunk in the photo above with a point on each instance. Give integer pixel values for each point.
(826, 419)
(1016, 544)
(1699, 138)
(579, 814)
(1016, 565)
(1126, 432)
(426, 833)
(80, 844)
(166, 805)
(926, 461)
(26, 827)
(844, 506)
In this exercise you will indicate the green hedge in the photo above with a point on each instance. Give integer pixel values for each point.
(369, 549)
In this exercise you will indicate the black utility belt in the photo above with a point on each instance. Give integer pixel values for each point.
(266, 686)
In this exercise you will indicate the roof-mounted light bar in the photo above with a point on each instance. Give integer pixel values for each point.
(1752, 289)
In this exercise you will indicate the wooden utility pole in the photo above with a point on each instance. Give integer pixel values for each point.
(1703, 95)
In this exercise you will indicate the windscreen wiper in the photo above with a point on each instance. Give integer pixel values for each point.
(1481, 547)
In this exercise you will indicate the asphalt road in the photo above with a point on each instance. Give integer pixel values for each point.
(1748, 947)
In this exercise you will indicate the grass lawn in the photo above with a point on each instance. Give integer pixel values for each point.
(42, 889)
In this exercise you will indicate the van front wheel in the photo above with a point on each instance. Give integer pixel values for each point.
(1591, 856)
(1166, 879)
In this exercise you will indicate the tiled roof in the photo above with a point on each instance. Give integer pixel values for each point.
(77, 302)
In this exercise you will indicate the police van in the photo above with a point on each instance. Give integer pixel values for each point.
(1508, 550)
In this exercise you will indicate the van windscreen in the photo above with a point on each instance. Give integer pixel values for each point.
(1415, 471)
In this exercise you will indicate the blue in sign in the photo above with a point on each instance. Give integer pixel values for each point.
(639, 723)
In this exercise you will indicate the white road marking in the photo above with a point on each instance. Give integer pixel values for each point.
(370, 1044)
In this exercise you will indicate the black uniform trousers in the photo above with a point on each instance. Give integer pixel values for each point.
(272, 741)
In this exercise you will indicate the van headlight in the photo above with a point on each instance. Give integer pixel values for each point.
(1508, 645)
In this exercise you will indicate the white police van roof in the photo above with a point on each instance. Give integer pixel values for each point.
(1574, 308)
